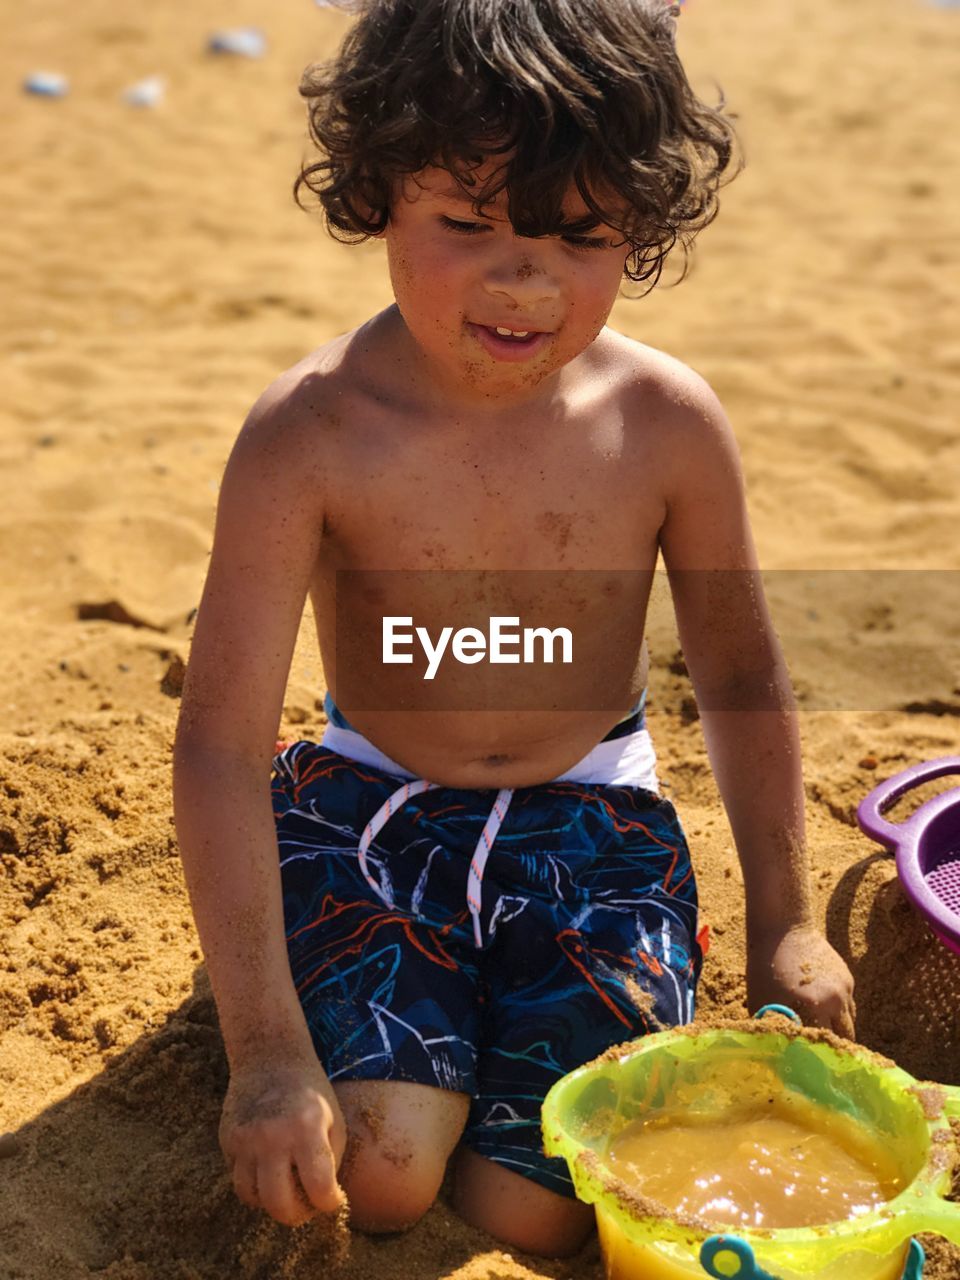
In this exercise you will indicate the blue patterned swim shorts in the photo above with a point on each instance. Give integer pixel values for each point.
(587, 921)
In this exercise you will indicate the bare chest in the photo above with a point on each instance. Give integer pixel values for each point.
(551, 535)
(567, 497)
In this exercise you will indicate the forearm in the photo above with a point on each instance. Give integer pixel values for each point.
(754, 747)
(228, 849)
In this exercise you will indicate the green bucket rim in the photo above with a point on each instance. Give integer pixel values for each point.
(920, 1206)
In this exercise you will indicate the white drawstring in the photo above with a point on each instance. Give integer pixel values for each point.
(477, 863)
(480, 856)
(379, 820)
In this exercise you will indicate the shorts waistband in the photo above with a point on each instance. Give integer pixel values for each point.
(624, 757)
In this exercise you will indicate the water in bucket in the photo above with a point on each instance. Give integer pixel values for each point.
(772, 1158)
(876, 1112)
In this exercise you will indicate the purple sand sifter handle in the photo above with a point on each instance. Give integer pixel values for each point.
(891, 834)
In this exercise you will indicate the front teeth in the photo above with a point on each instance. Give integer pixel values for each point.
(513, 333)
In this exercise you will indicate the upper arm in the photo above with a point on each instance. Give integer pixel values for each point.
(706, 525)
(707, 544)
(266, 540)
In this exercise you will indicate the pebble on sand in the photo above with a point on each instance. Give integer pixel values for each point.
(244, 42)
(46, 84)
(146, 93)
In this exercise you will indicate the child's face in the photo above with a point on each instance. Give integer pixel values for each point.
(457, 277)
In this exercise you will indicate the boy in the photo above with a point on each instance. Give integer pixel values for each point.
(479, 885)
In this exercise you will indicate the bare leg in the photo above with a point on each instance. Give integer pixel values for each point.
(517, 1211)
(399, 1137)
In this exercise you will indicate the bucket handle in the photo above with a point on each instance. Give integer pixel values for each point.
(915, 1260)
(882, 797)
(931, 1212)
(942, 1217)
(747, 1269)
(783, 1009)
(750, 1271)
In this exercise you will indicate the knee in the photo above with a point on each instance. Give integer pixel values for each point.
(518, 1212)
(399, 1136)
(389, 1187)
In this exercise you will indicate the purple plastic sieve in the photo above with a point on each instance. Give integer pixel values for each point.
(927, 844)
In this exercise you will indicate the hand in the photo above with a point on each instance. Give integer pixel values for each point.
(799, 968)
(283, 1135)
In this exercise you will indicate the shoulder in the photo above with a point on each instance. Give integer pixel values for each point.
(278, 476)
(676, 409)
(299, 402)
(289, 432)
(312, 403)
(694, 454)
(657, 384)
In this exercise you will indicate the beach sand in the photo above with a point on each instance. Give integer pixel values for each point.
(156, 276)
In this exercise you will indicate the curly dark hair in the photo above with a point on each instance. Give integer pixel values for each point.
(588, 91)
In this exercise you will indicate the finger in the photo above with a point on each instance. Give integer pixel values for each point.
(279, 1193)
(318, 1175)
(244, 1175)
(834, 1013)
(846, 1024)
(824, 1013)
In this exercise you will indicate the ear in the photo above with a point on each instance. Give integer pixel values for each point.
(381, 235)
(363, 210)
(396, 193)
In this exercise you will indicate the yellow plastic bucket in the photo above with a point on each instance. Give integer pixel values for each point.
(585, 1110)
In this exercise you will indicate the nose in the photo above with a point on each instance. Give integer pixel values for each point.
(522, 278)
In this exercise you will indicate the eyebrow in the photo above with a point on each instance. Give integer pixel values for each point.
(455, 193)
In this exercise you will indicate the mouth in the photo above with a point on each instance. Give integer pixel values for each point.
(506, 343)
(506, 332)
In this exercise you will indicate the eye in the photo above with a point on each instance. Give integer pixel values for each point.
(463, 228)
(586, 242)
